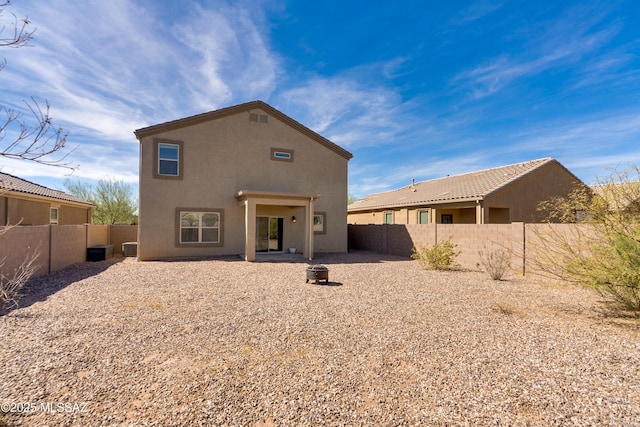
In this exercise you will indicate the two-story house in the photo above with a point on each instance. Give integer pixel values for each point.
(240, 180)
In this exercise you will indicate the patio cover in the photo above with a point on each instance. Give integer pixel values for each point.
(251, 198)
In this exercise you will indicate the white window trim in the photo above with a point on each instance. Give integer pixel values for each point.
(200, 212)
(177, 161)
(51, 210)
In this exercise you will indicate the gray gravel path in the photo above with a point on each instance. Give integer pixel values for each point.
(224, 342)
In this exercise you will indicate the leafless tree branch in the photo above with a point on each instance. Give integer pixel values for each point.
(38, 142)
(12, 284)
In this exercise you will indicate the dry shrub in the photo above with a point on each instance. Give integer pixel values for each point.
(12, 283)
(496, 262)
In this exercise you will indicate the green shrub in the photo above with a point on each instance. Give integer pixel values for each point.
(602, 252)
(441, 256)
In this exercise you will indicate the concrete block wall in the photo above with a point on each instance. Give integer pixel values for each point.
(97, 235)
(119, 234)
(367, 237)
(18, 244)
(58, 245)
(476, 241)
(67, 246)
(521, 241)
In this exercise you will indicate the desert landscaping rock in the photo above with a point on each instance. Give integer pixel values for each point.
(225, 342)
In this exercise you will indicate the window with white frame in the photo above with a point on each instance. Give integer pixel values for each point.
(167, 159)
(200, 227)
(53, 215)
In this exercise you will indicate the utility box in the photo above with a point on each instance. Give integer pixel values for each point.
(99, 252)
(130, 249)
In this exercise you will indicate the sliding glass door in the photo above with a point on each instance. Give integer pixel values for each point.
(269, 234)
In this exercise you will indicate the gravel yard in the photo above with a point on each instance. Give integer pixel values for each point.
(225, 342)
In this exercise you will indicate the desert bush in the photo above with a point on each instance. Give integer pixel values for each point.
(496, 262)
(441, 256)
(603, 253)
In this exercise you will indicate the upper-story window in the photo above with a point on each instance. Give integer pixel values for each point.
(168, 159)
(282, 154)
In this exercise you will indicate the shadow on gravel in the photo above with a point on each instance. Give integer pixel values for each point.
(40, 288)
(329, 284)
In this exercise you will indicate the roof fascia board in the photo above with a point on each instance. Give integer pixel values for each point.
(425, 204)
(35, 197)
(224, 112)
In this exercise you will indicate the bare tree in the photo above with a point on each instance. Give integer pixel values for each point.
(12, 283)
(40, 140)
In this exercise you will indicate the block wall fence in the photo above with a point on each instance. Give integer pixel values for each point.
(58, 246)
(519, 239)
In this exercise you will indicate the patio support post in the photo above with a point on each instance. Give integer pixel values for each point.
(309, 237)
(250, 230)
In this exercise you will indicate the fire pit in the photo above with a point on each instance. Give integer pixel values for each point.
(317, 273)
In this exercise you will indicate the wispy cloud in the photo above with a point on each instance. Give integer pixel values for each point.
(564, 42)
(478, 9)
(345, 111)
(108, 68)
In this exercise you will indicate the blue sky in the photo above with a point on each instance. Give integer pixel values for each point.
(414, 89)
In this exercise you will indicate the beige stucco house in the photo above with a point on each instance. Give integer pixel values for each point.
(499, 195)
(26, 203)
(240, 180)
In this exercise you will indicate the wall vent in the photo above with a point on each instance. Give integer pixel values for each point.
(258, 118)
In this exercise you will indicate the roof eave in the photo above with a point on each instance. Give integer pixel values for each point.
(224, 112)
(427, 203)
(31, 196)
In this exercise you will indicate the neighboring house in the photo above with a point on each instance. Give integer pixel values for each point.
(25, 203)
(620, 196)
(493, 196)
(240, 180)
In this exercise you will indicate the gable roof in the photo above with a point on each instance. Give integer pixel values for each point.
(19, 185)
(465, 187)
(223, 112)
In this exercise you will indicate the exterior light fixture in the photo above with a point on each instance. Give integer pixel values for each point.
(293, 219)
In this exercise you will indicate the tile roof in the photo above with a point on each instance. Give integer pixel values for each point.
(472, 185)
(13, 183)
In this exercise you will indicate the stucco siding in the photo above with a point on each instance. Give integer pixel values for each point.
(524, 195)
(229, 154)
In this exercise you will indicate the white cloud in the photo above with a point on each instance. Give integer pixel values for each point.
(565, 42)
(346, 110)
(108, 68)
